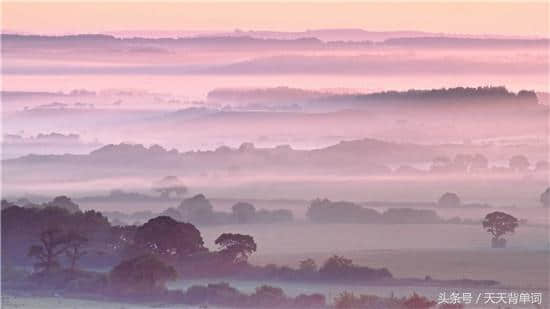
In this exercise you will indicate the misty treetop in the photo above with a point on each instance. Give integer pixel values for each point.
(199, 210)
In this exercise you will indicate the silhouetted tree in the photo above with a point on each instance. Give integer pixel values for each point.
(498, 224)
(21, 225)
(164, 236)
(335, 266)
(75, 244)
(449, 199)
(197, 210)
(63, 202)
(545, 198)
(518, 163)
(54, 243)
(236, 247)
(144, 274)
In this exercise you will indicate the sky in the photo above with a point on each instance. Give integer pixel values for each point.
(496, 18)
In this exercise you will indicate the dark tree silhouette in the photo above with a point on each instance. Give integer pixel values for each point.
(498, 224)
(75, 244)
(164, 236)
(54, 243)
(236, 247)
(22, 226)
(335, 266)
(63, 202)
(341, 268)
(144, 274)
(519, 163)
(449, 200)
(545, 198)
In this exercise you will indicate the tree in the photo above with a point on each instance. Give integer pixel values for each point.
(54, 243)
(518, 163)
(142, 274)
(121, 240)
(336, 266)
(197, 210)
(164, 236)
(168, 185)
(479, 161)
(63, 202)
(449, 200)
(22, 227)
(75, 251)
(545, 198)
(267, 296)
(236, 247)
(498, 224)
(244, 212)
(308, 266)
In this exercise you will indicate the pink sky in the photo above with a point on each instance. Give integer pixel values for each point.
(526, 19)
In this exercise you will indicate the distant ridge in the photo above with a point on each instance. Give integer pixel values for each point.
(308, 38)
(444, 95)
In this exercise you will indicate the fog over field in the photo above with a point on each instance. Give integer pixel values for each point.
(273, 167)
